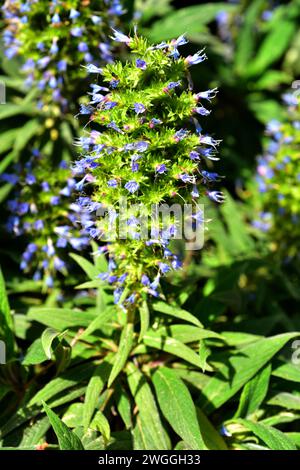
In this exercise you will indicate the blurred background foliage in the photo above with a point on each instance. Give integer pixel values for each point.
(235, 286)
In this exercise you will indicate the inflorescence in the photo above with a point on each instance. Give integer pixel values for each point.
(278, 179)
(56, 38)
(41, 212)
(146, 147)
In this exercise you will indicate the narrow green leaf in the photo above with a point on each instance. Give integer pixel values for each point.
(240, 368)
(254, 392)
(68, 379)
(125, 347)
(288, 372)
(172, 346)
(60, 318)
(123, 405)
(176, 312)
(94, 388)
(275, 439)
(89, 268)
(6, 321)
(144, 318)
(101, 423)
(35, 354)
(148, 421)
(99, 322)
(66, 438)
(48, 336)
(211, 436)
(177, 406)
(191, 19)
(267, 54)
(286, 400)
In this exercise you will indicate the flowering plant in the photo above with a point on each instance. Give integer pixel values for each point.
(56, 38)
(41, 212)
(148, 147)
(278, 176)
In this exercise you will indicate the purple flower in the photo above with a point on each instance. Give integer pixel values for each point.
(91, 68)
(161, 168)
(145, 280)
(83, 47)
(120, 37)
(55, 200)
(112, 183)
(197, 58)
(38, 224)
(139, 108)
(110, 104)
(210, 176)
(216, 196)
(141, 64)
(186, 178)
(180, 135)
(165, 268)
(173, 85)
(154, 122)
(61, 65)
(9, 178)
(141, 146)
(30, 179)
(202, 111)
(207, 95)
(74, 14)
(132, 186)
(194, 155)
(55, 19)
(76, 32)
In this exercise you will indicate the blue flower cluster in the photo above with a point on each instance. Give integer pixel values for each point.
(57, 37)
(278, 178)
(146, 146)
(41, 212)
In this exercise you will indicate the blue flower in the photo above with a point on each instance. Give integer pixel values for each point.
(74, 14)
(120, 37)
(197, 58)
(141, 64)
(132, 186)
(139, 108)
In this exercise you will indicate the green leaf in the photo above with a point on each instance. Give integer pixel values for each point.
(35, 432)
(275, 439)
(48, 336)
(286, 400)
(211, 436)
(94, 388)
(150, 433)
(176, 312)
(294, 437)
(267, 54)
(144, 318)
(60, 318)
(68, 379)
(123, 405)
(240, 368)
(66, 438)
(73, 415)
(185, 333)
(288, 372)
(89, 268)
(101, 423)
(177, 406)
(245, 43)
(6, 321)
(172, 346)
(99, 322)
(125, 347)
(254, 392)
(192, 19)
(35, 354)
